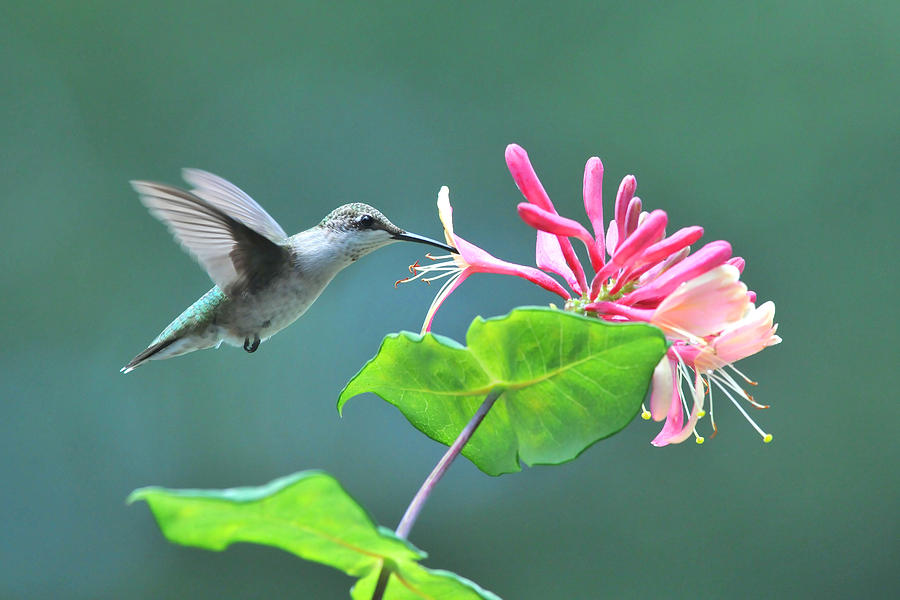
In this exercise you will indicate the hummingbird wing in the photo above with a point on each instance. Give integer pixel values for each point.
(235, 255)
(234, 202)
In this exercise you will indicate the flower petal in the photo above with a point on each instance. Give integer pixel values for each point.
(632, 216)
(526, 179)
(593, 198)
(744, 338)
(671, 245)
(708, 257)
(612, 237)
(704, 305)
(561, 226)
(627, 252)
(623, 197)
(672, 432)
(663, 393)
(552, 222)
(642, 238)
(445, 212)
(483, 262)
(664, 266)
(549, 257)
(738, 262)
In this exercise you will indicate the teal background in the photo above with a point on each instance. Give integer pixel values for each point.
(774, 125)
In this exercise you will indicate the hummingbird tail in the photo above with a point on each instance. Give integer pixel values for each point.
(147, 354)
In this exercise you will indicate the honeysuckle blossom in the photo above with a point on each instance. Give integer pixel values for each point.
(640, 274)
(469, 259)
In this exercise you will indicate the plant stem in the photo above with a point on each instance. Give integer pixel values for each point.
(415, 507)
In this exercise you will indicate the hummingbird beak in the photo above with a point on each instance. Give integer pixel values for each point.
(421, 239)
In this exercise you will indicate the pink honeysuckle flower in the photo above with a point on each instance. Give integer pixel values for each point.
(640, 274)
(470, 259)
(710, 359)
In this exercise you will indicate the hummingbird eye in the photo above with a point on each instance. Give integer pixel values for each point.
(366, 221)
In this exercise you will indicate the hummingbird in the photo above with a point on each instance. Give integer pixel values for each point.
(264, 279)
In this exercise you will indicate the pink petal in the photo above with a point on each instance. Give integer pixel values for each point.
(561, 226)
(483, 262)
(674, 419)
(548, 256)
(593, 197)
(751, 334)
(526, 179)
(662, 267)
(672, 244)
(632, 214)
(552, 222)
(663, 393)
(612, 237)
(708, 257)
(738, 262)
(672, 432)
(705, 305)
(643, 237)
(623, 197)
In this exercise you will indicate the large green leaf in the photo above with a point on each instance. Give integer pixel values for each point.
(568, 382)
(308, 514)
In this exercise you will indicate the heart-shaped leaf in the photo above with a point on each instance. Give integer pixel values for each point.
(311, 515)
(568, 382)
(308, 514)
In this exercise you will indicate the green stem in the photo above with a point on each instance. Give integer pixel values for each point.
(418, 502)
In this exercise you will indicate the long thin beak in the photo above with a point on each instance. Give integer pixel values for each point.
(421, 239)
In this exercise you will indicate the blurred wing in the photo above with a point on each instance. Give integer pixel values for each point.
(232, 253)
(231, 200)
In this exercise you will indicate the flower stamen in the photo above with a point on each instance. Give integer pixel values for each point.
(712, 415)
(723, 378)
(767, 437)
(744, 377)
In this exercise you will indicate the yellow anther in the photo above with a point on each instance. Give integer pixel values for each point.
(701, 414)
(645, 415)
(767, 438)
(700, 439)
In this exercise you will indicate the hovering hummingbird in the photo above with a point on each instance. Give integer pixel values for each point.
(264, 278)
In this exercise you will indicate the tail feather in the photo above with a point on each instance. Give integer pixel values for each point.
(147, 354)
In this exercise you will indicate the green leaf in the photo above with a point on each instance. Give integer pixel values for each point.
(412, 581)
(308, 514)
(569, 381)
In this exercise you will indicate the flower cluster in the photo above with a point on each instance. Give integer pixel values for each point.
(640, 274)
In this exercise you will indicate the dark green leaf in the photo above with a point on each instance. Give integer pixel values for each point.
(569, 381)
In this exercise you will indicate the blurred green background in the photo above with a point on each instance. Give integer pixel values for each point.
(774, 125)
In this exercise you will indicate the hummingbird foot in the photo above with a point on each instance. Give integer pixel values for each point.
(251, 347)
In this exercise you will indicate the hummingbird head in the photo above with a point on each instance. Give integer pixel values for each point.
(364, 229)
